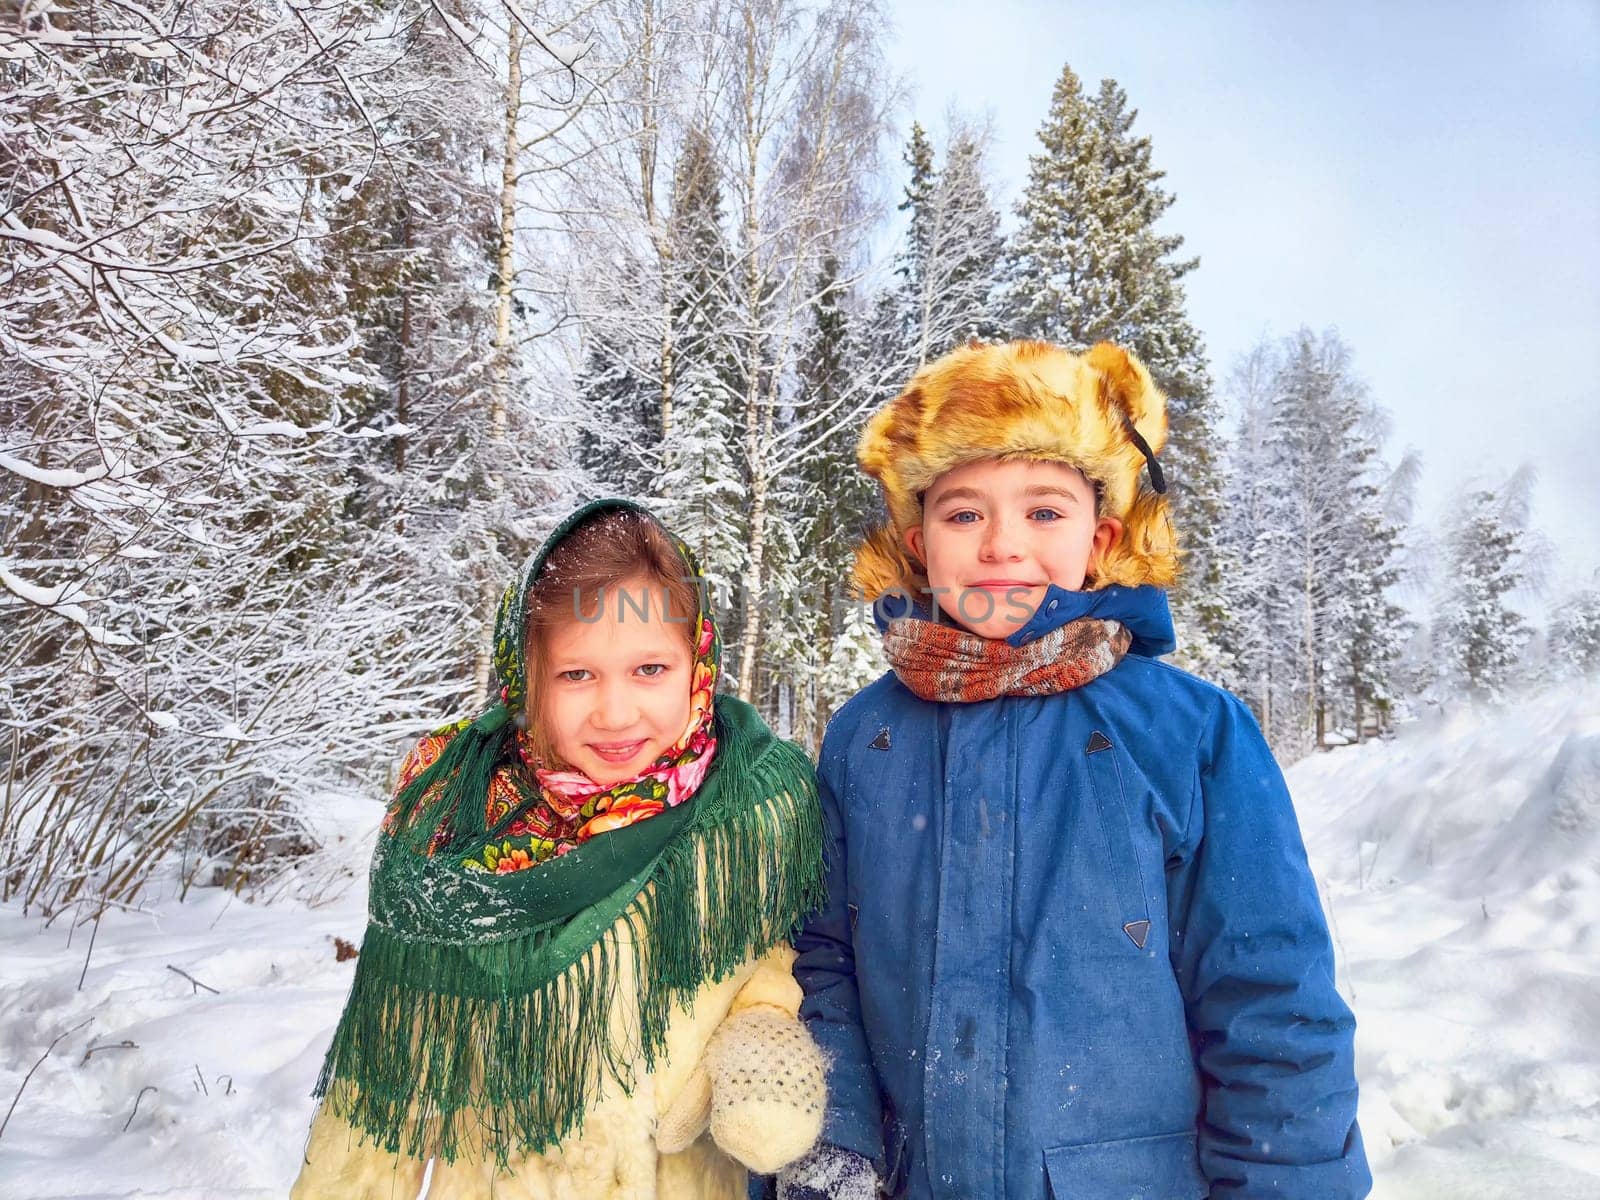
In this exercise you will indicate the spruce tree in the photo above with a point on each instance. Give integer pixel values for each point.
(1374, 628)
(699, 278)
(1574, 644)
(1478, 636)
(1329, 518)
(946, 272)
(702, 487)
(619, 430)
(970, 246)
(954, 254)
(1058, 277)
(701, 492)
(1260, 660)
(1311, 546)
(917, 203)
(833, 503)
(1087, 264)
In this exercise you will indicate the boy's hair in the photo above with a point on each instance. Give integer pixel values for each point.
(584, 571)
(1023, 400)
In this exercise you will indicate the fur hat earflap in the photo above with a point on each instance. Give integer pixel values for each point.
(1023, 400)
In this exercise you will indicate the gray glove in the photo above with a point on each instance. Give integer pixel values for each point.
(828, 1173)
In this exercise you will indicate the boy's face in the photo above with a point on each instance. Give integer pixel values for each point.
(995, 535)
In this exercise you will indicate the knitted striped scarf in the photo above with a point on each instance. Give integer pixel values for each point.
(943, 662)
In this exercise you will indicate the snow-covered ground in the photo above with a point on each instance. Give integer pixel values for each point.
(232, 1069)
(1460, 864)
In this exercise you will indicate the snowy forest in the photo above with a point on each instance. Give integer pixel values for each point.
(315, 317)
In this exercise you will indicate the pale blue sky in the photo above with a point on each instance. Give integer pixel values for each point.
(1424, 176)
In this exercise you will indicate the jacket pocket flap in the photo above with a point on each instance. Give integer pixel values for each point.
(1144, 1168)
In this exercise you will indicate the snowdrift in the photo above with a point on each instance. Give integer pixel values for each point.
(1460, 867)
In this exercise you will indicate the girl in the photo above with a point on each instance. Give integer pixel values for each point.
(576, 960)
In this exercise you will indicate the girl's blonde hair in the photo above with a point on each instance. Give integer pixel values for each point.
(590, 564)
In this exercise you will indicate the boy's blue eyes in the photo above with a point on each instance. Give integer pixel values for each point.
(1046, 516)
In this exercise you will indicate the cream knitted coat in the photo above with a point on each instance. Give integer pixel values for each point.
(760, 1088)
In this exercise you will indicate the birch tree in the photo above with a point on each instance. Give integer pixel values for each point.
(789, 103)
(806, 108)
(237, 343)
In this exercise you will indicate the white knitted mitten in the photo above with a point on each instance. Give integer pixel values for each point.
(760, 1087)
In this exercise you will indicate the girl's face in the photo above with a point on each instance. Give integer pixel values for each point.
(617, 685)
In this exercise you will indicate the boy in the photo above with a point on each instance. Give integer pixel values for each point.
(1072, 946)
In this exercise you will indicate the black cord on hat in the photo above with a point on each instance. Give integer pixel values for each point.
(1157, 479)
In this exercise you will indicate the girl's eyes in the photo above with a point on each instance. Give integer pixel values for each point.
(958, 518)
(1049, 514)
(578, 674)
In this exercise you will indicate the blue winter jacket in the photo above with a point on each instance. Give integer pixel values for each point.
(1072, 946)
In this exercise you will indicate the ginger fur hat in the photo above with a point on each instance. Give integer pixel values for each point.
(1032, 400)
